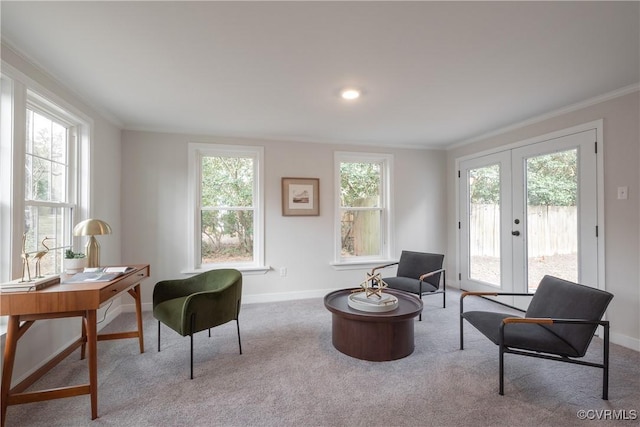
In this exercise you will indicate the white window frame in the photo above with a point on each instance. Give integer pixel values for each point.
(198, 150)
(34, 104)
(386, 201)
(19, 92)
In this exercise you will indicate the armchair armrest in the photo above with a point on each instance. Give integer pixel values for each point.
(493, 294)
(550, 321)
(431, 273)
(174, 288)
(536, 320)
(383, 266)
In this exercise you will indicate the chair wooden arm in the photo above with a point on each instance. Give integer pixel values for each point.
(550, 321)
(493, 294)
(383, 266)
(536, 320)
(431, 273)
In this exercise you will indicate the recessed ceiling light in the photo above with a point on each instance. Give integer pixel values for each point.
(350, 94)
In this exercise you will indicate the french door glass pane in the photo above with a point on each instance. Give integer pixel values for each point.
(552, 216)
(484, 224)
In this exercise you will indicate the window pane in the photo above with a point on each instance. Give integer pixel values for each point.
(227, 181)
(28, 178)
(360, 234)
(46, 159)
(59, 143)
(227, 236)
(484, 224)
(40, 176)
(58, 182)
(46, 237)
(360, 184)
(41, 136)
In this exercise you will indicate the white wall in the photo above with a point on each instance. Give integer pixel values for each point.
(622, 217)
(154, 203)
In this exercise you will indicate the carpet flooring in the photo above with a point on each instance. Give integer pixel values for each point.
(290, 375)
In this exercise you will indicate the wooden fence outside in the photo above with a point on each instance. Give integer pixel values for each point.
(553, 230)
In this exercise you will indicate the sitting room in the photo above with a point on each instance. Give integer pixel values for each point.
(309, 213)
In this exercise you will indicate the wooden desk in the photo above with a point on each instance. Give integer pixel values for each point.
(59, 301)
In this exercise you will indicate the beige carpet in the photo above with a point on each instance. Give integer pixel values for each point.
(290, 375)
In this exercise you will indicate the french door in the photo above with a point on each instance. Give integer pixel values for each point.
(530, 211)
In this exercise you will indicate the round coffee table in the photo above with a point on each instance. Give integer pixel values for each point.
(375, 336)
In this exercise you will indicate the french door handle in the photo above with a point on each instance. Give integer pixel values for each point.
(515, 233)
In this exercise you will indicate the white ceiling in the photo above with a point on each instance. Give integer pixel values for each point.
(433, 73)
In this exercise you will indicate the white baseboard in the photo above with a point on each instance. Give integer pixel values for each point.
(625, 341)
(619, 339)
(252, 299)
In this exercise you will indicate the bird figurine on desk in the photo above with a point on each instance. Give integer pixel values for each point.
(25, 259)
(38, 257)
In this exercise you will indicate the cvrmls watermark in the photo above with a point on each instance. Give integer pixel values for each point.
(608, 414)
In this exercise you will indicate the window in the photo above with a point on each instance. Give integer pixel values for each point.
(226, 186)
(45, 175)
(49, 180)
(363, 217)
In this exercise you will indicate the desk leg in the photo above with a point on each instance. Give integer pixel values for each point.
(9, 358)
(83, 349)
(92, 342)
(138, 297)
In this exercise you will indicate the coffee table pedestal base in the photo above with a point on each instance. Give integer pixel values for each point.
(375, 341)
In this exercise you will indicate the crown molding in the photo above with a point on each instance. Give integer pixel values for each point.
(626, 90)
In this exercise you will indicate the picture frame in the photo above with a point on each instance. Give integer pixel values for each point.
(300, 196)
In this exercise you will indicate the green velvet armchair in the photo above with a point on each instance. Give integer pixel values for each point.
(199, 302)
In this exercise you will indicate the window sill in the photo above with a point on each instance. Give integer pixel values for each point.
(244, 270)
(359, 265)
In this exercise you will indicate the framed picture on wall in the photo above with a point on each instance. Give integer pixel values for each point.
(300, 196)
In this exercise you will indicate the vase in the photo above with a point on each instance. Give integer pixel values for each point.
(74, 265)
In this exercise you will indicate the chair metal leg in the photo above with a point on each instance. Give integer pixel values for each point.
(193, 324)
(239, 342)
(444, 289)
(420, 296)
(238, 324)
(501, 369)
(501, 360)
(158, 336)
(605, 362)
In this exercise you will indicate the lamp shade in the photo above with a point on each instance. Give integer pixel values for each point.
(91, 227)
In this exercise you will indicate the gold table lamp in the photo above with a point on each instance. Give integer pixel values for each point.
(92, 227)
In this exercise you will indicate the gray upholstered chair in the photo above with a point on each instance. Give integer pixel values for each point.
(199, 302)
(559, 324)
(418, 273)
